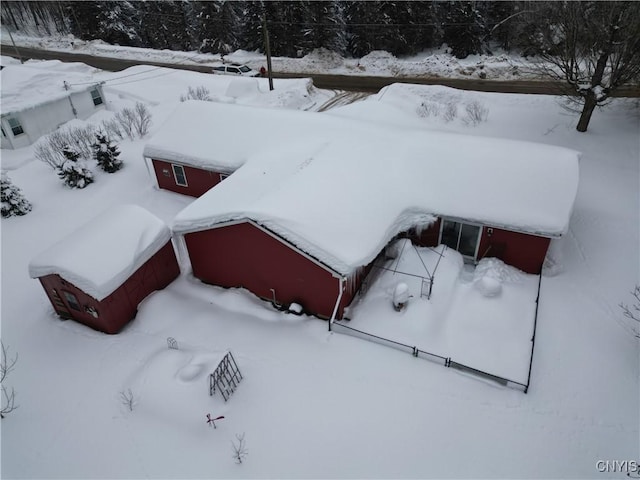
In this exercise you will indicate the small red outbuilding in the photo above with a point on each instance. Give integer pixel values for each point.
(100, 273)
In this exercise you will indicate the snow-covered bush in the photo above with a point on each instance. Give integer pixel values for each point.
(476, 113)
(134, 121)
(13, 201)
(199, 93)
(106, 154)
(428, 109)
(73, 170)
(125, 118)
(112, 128)
(450, 111)
(49, 149)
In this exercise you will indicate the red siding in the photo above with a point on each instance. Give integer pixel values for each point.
(243, 255)
(429, 237)
(199, 181)
(116, 310)
(523, 251)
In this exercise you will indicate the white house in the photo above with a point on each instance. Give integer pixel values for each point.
(37, 100)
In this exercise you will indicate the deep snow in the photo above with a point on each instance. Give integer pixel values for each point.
(314, 404)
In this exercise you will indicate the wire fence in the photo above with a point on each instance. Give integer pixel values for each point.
(447, 361)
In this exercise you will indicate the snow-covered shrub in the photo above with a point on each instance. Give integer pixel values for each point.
(476, 113)
(112, 128)
(199, 93)
(134, 121)
(142, 119)
(125, 118)
(73, 170)
(450, 111)
(13, 201)
(106, 154)
(49, 148)
(428, 109)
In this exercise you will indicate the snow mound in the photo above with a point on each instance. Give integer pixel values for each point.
(497, 269)
(488, 286)
(324, 58)
(241, 87)
(190, 372)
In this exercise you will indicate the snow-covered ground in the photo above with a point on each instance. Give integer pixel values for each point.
(312, 403)
(435, 62)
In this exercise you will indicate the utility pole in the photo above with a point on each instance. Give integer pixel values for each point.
(267, 49)
(14, 45)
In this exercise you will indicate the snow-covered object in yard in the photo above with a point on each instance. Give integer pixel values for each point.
(101, 255)
(400, 296)
(36, 99)
(340, 190)
(488, 286)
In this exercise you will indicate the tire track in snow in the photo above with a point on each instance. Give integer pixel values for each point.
(343, 98)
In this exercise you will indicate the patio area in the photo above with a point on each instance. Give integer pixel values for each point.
(481, 316)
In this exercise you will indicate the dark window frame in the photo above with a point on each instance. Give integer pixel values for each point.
(96, 96)
(182, 174)
(16, 126)
(72, 301)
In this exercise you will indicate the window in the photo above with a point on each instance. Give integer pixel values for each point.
(244, 69)
(179, 175)
(16, 128)
(461, 237)
(72, 300)
(233, 70)
(96, 97)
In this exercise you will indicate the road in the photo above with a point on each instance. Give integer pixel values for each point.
(356, 83)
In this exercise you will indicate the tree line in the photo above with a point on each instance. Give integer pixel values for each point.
(593, 47)
(349, 28)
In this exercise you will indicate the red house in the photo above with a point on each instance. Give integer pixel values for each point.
(303, 222)
(99, 274)
(201, 143)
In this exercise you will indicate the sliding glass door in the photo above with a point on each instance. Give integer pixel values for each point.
(462, 237)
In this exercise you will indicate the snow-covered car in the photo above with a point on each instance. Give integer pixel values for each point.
(235, 69)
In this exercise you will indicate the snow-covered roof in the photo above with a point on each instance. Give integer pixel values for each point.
(223, 137)
(29, 85)
(101, 255)
(340, 191)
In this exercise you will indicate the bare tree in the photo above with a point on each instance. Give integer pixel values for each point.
(592, 47)
(127, 399)
(239, 449)
(633, 312)
(7, 364)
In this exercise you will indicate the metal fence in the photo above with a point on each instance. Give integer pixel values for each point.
(446, 361)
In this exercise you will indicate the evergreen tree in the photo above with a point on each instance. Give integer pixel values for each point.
(464, 28)
(106, 154)
(13, 201)
(118, 23)
(83, 17)
(72, 169)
